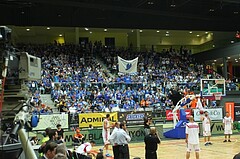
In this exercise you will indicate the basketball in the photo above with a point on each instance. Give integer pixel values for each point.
(201, 112)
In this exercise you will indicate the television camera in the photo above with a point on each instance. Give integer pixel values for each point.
(17, 69)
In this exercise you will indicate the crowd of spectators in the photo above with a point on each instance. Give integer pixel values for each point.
(78, 83)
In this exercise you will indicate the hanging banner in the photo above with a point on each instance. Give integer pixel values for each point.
(229, 107)
(127, 66)
(51, 121)
(133, 118)
(214, 114)
(95, 119)
(169, 114)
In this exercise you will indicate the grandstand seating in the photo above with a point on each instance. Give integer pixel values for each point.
(74, 76)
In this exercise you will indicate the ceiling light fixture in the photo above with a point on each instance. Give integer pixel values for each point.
(86, 29)
(211, 10)
(48, 28)
(167, 34)
(190, 32)
(105, 30)
(232, 42)
(150, 2)
(173, 4)
(158, 31)
(215, 60)
(90, 32)
(206, 32)
(140, 31)
(198, 35)
(228, 57)
(60, 35)
(28, 29)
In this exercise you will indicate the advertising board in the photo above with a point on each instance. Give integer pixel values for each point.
(214, 114)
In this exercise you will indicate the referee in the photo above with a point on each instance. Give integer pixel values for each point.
(122, 139)
(113, 140)
(151, 144)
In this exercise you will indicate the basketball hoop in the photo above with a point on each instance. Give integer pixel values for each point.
(217, 95)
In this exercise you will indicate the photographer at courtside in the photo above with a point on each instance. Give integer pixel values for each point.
(151, 144)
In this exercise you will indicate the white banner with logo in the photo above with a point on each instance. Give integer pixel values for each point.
(127, 66)
(214, 114)
(51, 121)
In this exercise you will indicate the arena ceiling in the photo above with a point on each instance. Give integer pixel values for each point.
(215, 15)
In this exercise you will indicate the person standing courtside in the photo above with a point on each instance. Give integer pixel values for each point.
(106, 133)
(206, 125)
(122, 139)
(147, 122)
(192, 138)
(113, 141)
(151, 144)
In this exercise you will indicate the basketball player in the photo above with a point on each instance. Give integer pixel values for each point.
(228, 126)
(84, 150)
(106, 133)
(206, 126)
(192, 138)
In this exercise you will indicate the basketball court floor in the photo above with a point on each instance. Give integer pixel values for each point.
(176, 149)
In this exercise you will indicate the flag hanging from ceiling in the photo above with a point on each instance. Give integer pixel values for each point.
(127, 66)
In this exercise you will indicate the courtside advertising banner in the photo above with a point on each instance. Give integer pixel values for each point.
(133, 118)
(127, 66)
(136, 133)
(214, 114)
(237, 113)
(96, 119)
(51, 121)
(169, 114)
(229, 107)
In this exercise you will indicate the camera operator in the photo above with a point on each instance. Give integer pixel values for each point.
(147, 123)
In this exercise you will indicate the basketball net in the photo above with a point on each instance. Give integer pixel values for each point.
(217, 95)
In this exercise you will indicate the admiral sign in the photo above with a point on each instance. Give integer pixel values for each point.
(214, 114)
(95, 119)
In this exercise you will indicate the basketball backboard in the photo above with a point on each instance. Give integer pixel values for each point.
(211, 86)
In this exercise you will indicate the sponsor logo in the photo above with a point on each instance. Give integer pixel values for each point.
(97, 119)
(128, 66)
(135, 116)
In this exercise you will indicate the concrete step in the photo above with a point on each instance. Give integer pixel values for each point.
(46, 99)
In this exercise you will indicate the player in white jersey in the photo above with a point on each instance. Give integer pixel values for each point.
(206, 126)
(106, 133)
(228, 126)
(192, 138)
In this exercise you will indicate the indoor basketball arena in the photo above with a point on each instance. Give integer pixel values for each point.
(119, 79)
